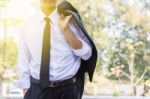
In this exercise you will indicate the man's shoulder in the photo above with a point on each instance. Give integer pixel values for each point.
(30, 17)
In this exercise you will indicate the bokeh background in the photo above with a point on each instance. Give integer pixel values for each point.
(120, 30)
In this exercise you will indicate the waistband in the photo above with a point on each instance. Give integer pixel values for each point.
(56, 83)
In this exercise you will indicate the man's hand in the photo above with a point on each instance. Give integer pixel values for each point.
(64, 22)
(69, 35)
(24, 91)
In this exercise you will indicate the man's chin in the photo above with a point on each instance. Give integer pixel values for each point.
(48, 1)
(49, 5)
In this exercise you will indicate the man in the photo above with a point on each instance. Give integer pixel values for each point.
(49, 54)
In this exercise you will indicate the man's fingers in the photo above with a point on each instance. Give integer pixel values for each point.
(69, 17)
(24, 91)
(64, 21)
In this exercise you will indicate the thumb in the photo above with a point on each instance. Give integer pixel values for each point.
(69, 17)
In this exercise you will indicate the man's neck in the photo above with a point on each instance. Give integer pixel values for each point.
(48, 11)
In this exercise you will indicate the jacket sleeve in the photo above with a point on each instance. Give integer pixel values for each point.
(85, 52)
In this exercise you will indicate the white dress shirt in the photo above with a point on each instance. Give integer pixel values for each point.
(64, 60)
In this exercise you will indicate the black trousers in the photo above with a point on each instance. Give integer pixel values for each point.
(70, 91)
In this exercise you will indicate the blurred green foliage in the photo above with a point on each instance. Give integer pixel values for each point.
(8, 54)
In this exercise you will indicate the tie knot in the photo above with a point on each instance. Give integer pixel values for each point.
(47, 20)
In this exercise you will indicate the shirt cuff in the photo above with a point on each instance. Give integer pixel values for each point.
(23, 84)
(85, 52)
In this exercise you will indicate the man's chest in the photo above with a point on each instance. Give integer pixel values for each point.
(34, 39)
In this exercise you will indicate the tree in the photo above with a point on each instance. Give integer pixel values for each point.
(10, 58)
(131, 46)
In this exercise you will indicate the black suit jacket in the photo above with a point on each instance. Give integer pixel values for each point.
(86, 66)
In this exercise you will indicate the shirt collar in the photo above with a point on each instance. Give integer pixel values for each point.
(51, 16)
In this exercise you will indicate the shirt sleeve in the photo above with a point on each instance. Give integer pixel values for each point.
(23, 63)
(85, 52)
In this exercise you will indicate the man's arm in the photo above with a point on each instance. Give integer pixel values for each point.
(72, 39)
(72, 33)
(23, 64)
